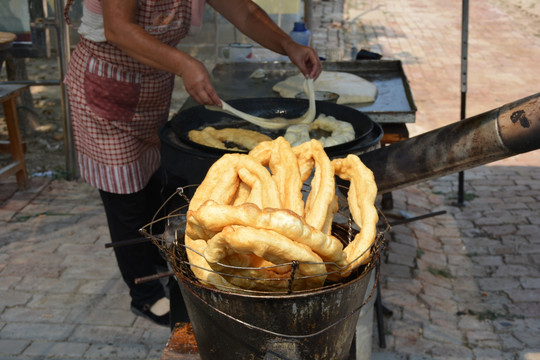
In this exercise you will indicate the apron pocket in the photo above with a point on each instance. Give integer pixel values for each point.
(113, 97)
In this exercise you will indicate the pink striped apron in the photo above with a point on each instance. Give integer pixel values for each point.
(118, 104)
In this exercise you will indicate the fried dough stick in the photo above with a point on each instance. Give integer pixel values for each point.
(200, 267)
(222, 181)
(248, 271)
(221, 185)
(211, 218)
(281, 160)
(320, 202)
(361, 199)
(216, 138)
(268, 245)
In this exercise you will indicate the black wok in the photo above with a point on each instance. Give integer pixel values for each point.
(186, 162)
(198, 117)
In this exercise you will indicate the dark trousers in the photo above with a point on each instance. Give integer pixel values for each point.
(126, 214)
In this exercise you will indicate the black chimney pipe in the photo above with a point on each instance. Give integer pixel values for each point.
(503, 132)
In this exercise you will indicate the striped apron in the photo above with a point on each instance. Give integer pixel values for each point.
(118, 104)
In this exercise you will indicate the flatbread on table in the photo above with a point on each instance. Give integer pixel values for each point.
(352, 89)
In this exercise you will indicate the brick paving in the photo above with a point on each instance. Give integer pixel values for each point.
(463, 285)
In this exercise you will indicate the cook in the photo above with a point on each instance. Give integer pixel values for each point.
(119, 83)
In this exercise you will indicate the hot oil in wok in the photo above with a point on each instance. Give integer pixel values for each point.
(234, 146)
(227, 122)
(319, 133)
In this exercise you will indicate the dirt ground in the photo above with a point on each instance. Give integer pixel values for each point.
(42, 121)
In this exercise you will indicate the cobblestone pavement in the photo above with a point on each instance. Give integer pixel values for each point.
(463, 285)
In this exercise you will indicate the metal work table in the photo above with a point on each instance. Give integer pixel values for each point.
(392, 109)
(394, 102)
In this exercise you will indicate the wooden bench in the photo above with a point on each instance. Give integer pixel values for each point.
(8, 94)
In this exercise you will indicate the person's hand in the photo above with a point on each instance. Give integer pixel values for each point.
(197, 82)
(305, 58)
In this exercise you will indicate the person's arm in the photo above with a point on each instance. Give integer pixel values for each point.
(122, 30)
(253, 21)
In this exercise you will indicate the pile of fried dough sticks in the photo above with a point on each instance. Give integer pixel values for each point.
(248, 222)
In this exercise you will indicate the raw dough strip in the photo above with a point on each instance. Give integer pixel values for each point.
(341, 131)
(277, 122)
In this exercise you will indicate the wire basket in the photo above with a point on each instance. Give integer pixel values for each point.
(171, 244)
